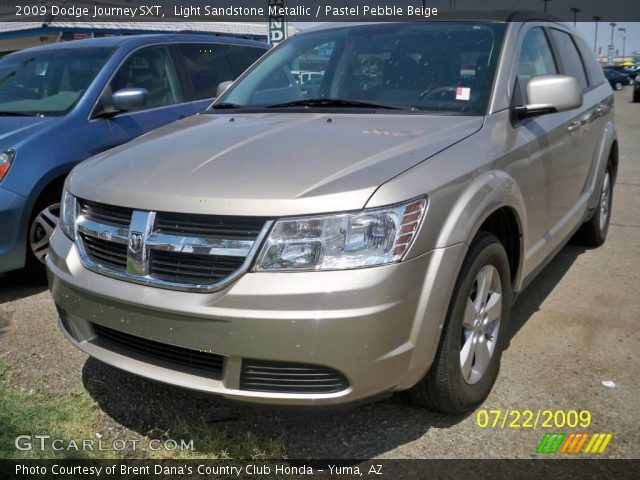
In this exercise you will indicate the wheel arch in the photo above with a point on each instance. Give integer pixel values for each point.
(494, 203)
(607, 153)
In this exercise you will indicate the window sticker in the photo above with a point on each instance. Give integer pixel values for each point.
(463, 93)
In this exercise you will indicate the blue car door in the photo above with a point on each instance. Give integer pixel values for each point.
(153, 69)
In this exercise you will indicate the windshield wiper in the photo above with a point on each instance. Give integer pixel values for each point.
(225, 106)
(337, 103)
(16, 114)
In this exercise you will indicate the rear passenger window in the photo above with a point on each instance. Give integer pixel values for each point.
(206, 65)
(536, 58)
(594, 70)
(570, 57)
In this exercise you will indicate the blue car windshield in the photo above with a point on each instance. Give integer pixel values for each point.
(430, 67)
(48, 82)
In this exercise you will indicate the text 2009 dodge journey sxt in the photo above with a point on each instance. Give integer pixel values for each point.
(318, 242)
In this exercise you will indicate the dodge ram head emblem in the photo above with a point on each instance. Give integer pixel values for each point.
(135, 242)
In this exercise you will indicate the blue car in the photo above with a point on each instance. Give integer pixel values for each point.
(63, 103)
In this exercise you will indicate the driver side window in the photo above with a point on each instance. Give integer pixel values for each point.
(536, 58)
(152, 69)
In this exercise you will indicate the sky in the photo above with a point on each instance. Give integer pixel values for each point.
(587, 29)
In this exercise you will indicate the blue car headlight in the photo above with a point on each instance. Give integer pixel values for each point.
(6, 159)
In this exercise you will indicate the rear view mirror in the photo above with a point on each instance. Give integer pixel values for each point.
(129, 98)
(222, 87)
(551, 94)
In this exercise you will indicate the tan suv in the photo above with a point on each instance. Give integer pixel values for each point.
(319, 246)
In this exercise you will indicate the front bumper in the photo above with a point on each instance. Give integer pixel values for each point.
(378, 327)
(12, 230)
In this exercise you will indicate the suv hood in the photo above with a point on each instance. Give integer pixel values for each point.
(266, 164)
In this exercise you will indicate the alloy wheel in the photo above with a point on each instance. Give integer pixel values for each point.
(605, 201)
(481, 324)
(41, 230)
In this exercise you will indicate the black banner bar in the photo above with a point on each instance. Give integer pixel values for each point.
(319, 469)
(303, 10)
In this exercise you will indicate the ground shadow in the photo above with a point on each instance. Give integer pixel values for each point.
(363, 431)
(17, 285)
(339, 433)
(539, 289)
(14, 286)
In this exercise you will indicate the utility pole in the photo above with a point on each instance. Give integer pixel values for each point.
(595, 40)
(624, 41)
(575, 11)
(611, 50)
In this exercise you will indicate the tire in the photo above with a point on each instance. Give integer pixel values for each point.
(618, 86)
(461, 376)
(43, 220)
(593, 233)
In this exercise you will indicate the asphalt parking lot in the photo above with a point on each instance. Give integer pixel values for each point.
(576, 326)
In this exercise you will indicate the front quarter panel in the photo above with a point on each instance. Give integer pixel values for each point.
(464, 185)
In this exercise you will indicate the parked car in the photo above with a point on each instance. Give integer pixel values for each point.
(616, 80)
(294, 249)
(628, 73)
(61, 104)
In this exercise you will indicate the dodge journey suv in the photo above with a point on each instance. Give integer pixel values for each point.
(369, 235)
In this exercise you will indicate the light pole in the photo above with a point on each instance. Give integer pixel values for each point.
(610, 53)
(624, 40)
(595, 40)
(575, 11)
(545, 5)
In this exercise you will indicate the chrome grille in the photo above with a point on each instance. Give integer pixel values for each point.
(170, 250)
(102, 252)
(206, 226)
(106, 213)
(189, 267)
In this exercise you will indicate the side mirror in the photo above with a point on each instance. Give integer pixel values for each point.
(129, 98)
(222, 87)
(551, 94)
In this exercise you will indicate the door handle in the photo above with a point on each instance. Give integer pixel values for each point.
(574, 125)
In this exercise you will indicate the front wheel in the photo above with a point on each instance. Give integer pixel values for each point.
(475, 333)
(618, 86)
(42, 223)
(594, 232)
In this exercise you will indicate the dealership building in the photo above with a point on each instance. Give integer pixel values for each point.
(19, 35)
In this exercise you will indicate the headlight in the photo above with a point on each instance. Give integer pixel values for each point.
(68, 215)
(6, 159)
(341, 241)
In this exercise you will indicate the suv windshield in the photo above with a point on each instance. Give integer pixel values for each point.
(438, 66)
(48, 82)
